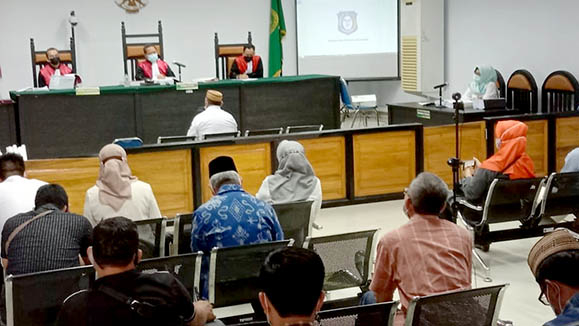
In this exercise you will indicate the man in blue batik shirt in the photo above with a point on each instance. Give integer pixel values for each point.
(232, 217)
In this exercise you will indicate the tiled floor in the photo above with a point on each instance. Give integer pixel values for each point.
(508, 260)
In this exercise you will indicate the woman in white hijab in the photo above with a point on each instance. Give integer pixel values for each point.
(117, 192)
(294, 179)
(571, 161)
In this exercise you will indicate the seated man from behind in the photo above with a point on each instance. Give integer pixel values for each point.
(54, 67)
(554, 261)
(427, 255)
(292, 280)
(153, 67)
(17, 192)
(213, 120)
(232, 217)
(123, 296)
(47, 238)
(247, 65)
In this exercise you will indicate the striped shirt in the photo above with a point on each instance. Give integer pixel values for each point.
(425, 256)
(52, 241)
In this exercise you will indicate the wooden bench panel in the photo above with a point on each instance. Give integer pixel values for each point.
(538, 145)
(328, 158)
(567, 138)
(253, 162)
(439, 146)
(384, 163)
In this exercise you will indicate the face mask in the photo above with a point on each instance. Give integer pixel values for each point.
(55, 60)
(476, 78)
(247, 59)
(153, 57)
(498, 143)
(560, 306)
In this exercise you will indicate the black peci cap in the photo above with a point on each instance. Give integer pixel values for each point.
(221, 164)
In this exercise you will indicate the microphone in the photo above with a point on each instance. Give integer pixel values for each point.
(179, 64)
(441, 85)
(456, 96)
(72, 19)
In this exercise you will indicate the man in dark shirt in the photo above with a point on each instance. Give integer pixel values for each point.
(155, 299)
(247, 65)
(52, 239)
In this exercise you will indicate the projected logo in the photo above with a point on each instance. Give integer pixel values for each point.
(347, 22)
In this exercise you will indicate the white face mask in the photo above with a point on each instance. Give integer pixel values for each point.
(560, 306)
(153, 57)
(498, 142)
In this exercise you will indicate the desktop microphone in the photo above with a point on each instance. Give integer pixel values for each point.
(179, 64)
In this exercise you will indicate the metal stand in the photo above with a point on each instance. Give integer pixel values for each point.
(180, 80)
(440, 87)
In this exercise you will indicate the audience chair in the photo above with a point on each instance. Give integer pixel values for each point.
(152, 237)
(304, 128)
(522, 92)
(225, 54)
(186, 268)
(133, 51)
(39, 59)
(475, 307)
(560, 92)
(355, 103)
(174, 139)
(130, 142)
(252, 323)
(367, 315)
(500, 84)
(221, 135)
(559, 197)
(35, 299)
(347, 258)
(295, 220)
(234, 272)
(264, 132)
(182, 233)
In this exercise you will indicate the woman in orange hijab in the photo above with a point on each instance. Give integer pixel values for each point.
(510, 161)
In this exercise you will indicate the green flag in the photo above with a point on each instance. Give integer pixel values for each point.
(276, 34)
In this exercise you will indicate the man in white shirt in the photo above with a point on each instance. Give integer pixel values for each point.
(213, 120)
(17, 193)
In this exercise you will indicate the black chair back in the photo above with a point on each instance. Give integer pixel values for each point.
(225, 54)
(475, 307)
(561, 195)
(294, 219)
(221, 135)
(305, 128)
(182, 238)
(133, 51)
(174, 139)
(39, 58)
(186, 268)
(234, 272)
(560, 92)
(380, 314)
(35, 299)
(152, 237)
(500, 84)
(264, 132)
(522, 92)
(252, 323)
(346, 258)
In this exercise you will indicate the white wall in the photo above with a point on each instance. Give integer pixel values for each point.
(537, 35)
(188, 29)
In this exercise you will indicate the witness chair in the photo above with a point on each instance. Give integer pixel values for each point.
(225, 54)
(133, 51)
(500, 84)
(39, 59)
(522, 92)
(347, 258)
(221, 135)
(304, 128)
(35, 299)
(152, 237)
(186, 268)
(264, 132)
(475, 307)
(182, 230)
(560, 196)
(379, 314)
(234, 272)
(560, 92)
(355, 103)
(295, 220)
(174, 139)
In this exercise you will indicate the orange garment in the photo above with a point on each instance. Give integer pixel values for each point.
(511, 158)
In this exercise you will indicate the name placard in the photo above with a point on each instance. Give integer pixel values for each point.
(80, 91)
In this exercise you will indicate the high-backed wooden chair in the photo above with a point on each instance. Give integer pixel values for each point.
(39, 58)
(522, 92)
(225, 54)
(500, 84)
(133, 51)
(560, 92)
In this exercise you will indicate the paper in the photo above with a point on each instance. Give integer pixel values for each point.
(21, 150)
(62, 82)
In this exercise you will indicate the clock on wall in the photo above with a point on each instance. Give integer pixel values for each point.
(132, 6)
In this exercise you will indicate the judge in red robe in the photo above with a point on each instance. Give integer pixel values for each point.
(247, 65)
(154, 67)
(53, 67)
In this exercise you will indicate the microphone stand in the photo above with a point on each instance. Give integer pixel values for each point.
(454, 162)
(180, 80)
(440, 87)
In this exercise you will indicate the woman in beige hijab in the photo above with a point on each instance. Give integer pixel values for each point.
(117, 192)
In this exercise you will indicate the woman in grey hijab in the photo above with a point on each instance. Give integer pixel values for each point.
(571, 161)
(294, 179)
